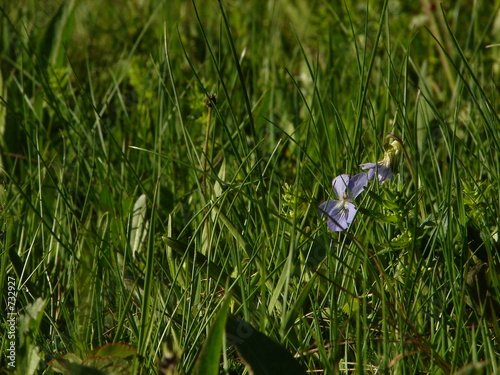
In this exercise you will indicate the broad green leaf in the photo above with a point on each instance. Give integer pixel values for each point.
(108, 365)
(110, 359)
(139, 226)
(71, 364)
(209, 359)
(114, 349)
(65, 363)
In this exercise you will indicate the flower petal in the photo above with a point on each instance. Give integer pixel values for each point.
(351, 212)
(371, 169)
(326, 207)
(383, 171)
(358, 183)
(336, 213)
(340, 184)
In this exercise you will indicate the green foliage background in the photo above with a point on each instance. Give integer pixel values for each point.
(111, 235)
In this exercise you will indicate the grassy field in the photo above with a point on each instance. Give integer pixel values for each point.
(162, 164)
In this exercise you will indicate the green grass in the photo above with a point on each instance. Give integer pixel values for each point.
(118, 227)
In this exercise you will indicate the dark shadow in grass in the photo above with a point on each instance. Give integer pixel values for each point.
(260, 354)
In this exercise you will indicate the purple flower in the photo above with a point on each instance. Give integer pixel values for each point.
(340, 213)
(382, 169)
(385, 167)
